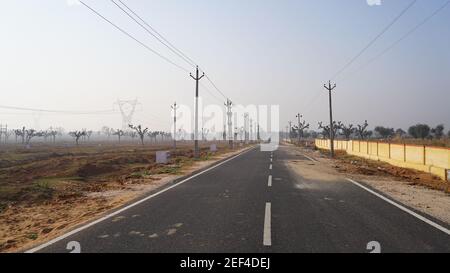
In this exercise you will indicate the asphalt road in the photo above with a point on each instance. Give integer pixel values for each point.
(253, 203)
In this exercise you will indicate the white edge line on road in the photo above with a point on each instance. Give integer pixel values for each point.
(267, 240)
(70, 233)
(418, 216)
(310, 158)
(270, 181)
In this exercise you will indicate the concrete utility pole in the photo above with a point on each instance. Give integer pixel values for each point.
(299, 118)
(257, 134)
(330, 89)
(251, 129)
(229, 105)
(197, 78)
(174, 107)
(287, 134)
(246, 128)
(290, 130)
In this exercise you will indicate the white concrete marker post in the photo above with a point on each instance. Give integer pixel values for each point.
(162, 157)
(213, 148)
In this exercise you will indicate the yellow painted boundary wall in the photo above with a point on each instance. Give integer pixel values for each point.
(433, 160)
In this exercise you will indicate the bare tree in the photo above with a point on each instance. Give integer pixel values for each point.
(107, 131)
(20, 133)
(52, 133)
(31, 133)
(141, 132)
(362, 130)
(152, 135)
(346, 131)
(300, 128)
(326, 129)
(77, 135)
(132, 134)
(119, 133)
(88, 134)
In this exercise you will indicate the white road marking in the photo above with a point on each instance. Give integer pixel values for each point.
(267, 241)
(310, 158)
(131, 206)
(270, 167)
(418, 216)
(270, 181)
(271, 160)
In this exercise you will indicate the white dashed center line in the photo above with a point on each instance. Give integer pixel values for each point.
(270, 181)
(267, 241)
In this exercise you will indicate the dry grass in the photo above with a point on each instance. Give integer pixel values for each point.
(46, 189)
(356, 165)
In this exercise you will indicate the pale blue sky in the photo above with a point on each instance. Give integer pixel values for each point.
(56, 56)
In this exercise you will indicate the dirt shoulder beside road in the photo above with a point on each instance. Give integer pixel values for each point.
(417, 190)
(48, 195)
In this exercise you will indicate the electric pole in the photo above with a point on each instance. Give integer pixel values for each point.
(246, 135)
(287, 134)
(290, 130)
(330, 89)
(258, 136)
(299, 117)
(174, 107)
(229, 105)
(251, 130)
(197, 78)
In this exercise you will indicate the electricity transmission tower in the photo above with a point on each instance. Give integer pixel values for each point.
(197, 78)
(229, 105)
(127, 110)
(174, 107)
(330, 89)
(3, 132)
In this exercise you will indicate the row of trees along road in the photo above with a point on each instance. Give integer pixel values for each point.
(418, 131)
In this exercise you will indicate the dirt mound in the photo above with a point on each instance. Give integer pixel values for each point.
(90, 169)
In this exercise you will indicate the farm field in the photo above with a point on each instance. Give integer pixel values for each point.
(47, 189)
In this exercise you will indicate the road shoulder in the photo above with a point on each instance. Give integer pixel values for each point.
(423, 199)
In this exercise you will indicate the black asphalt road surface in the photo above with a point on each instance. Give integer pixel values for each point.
(224, 210)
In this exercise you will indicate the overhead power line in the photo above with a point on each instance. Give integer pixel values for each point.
(156, 35)
(153, 32)
(215, 86)
(58, 111)
(135, 39)
(192, 62)
(406, 35)
(210, 92)
(347, 65)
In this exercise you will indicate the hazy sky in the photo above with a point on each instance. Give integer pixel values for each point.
(59, 56)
